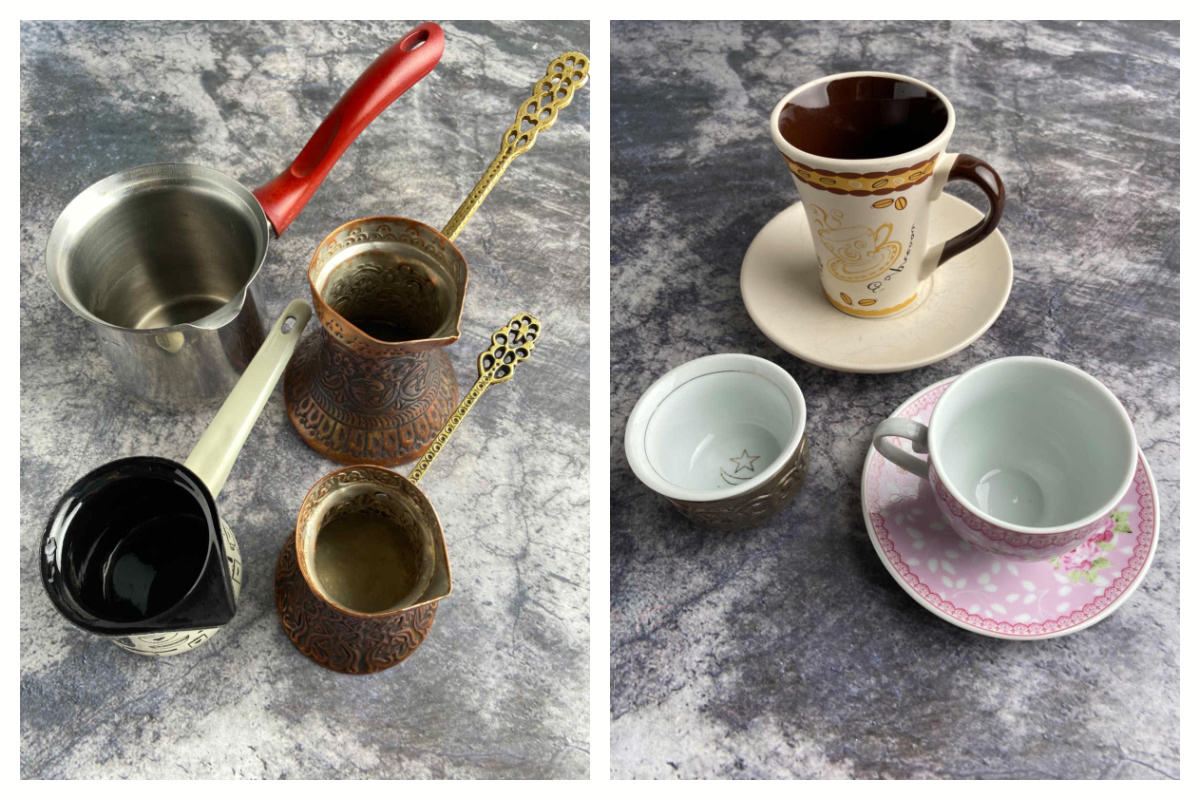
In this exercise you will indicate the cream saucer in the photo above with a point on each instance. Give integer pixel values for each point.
(992, 595)
(782, 292)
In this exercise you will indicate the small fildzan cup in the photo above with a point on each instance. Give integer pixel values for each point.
(867, 152)
(723, 438)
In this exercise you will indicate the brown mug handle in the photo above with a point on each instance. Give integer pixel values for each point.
(978, 172)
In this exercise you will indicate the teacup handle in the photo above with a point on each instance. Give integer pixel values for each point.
(909, 429)
(962, 167)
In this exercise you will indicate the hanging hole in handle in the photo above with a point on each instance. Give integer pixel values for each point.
(414, 40)
(288, 324)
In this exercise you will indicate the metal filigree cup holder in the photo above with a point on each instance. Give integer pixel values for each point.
(358, 583)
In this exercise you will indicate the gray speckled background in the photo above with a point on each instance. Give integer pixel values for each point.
(789, 650)
(499, 689)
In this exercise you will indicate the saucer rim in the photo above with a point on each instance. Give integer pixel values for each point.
(882, 368)
(1103, 614)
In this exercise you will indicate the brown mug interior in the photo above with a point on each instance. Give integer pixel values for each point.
(863, 116)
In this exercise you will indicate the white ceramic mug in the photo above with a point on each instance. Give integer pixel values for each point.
(1027, 456)
(867, 152)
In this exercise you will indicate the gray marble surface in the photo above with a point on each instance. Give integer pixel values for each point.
(789, 650)
(500, 688)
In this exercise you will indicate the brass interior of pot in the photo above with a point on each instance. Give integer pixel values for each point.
(374, 549)
(393, 291)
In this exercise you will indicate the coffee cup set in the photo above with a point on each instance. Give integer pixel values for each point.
(1033, 513)
(160, 259)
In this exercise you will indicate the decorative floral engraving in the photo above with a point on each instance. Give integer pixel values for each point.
(358, 399)
(347, 643)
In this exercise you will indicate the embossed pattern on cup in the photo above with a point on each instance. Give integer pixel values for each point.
(754, 507)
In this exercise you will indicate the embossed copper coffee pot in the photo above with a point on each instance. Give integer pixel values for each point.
(373, 384)
(358, 584)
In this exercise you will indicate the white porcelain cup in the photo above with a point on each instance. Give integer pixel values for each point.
(722, 437)
(1027, 456)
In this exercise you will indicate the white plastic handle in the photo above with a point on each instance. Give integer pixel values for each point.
(213, 456)
(906, 429)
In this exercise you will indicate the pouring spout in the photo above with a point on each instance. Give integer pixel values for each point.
(224, 315)
(213, 456)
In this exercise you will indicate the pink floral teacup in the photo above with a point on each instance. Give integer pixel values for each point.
(1027, 456)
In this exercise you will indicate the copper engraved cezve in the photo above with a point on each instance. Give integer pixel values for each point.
(327, 631)
(368, 603)
(372, 386)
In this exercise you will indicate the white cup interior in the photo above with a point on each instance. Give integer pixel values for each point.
(715, 427)
(1033, 443)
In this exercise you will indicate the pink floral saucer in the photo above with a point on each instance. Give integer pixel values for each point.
(992, 595)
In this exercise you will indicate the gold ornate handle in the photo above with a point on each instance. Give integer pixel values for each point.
(510, 345)
(551, 93)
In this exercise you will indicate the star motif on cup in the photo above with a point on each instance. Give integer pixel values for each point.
(744, 461)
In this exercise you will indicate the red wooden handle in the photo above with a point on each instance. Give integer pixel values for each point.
(388, 77)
